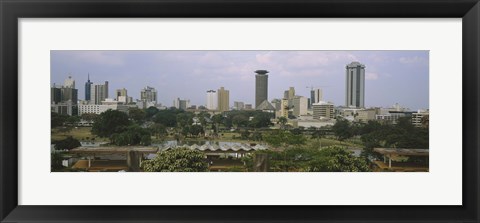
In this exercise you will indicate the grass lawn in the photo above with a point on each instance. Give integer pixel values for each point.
(78, 133)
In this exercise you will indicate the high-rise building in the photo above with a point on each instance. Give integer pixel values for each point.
(64, 99)
(316, 95)
(99, 93)
(261, 87)
(238, 105)
(300, 105)
(355, 85)
(88, 89)
(223, 99)
(69, 94)
(181, 104)
(284, 108)
(149, 94)
(121, 95)
(55, 95)
(212, 100)
(69, 83)
(291, 93)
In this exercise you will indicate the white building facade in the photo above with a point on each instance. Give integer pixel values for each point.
(212, 100)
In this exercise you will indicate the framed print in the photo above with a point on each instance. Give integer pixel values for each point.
(239, 111)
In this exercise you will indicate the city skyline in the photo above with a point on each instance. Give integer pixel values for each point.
(390, 76)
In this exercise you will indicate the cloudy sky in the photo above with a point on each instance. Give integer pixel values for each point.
(391, 76)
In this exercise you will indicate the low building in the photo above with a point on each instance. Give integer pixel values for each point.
(366, 115)
(323, 110)
(420, 118)
(98, 109)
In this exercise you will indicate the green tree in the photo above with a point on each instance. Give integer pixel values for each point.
(283, 122)
(73, 120)
(240, 120)
(56, 159)
(89, 117)
(68, 143)
(133, 135)
(150, 112)
(284, 138)
(336, 159)
(217, 120)
(177, 160)
(257, 136)
(184, 119)
(196, 130)
(110, 122)
(137, 115)
(166, 117)
(158, 130)
(261, 120)
(342, 129)
(245, 134)
(57, 119)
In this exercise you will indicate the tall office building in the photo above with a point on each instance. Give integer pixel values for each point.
(289, 95)
(355, 85)
(238, 105)
(121, 95)
(64, 98)
(284, 108)
(99, 93)
(212, 100)
(88, 89)
(69, 94)
(261, 87)
(69, 83)
(300, 105)
(223, 99)
(148, 94)
(181, 104)
(55, 94)
(316, 95)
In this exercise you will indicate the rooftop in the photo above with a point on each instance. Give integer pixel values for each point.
(115, 149)
(261, 71)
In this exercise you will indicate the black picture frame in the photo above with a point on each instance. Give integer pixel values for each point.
(12, 10)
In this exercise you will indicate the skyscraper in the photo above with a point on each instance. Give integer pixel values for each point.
(99, 92)
(261, 87)
(122, 95)
(223, 99)
(181, 104)
(316, 95)
(289, 95)
(300, 105)
(69, 83)
(149, 94)
(212, 100)
(88, 89)
(355, 85)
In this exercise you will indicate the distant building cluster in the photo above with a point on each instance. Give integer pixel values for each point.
(64, 99)
(297, 109)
